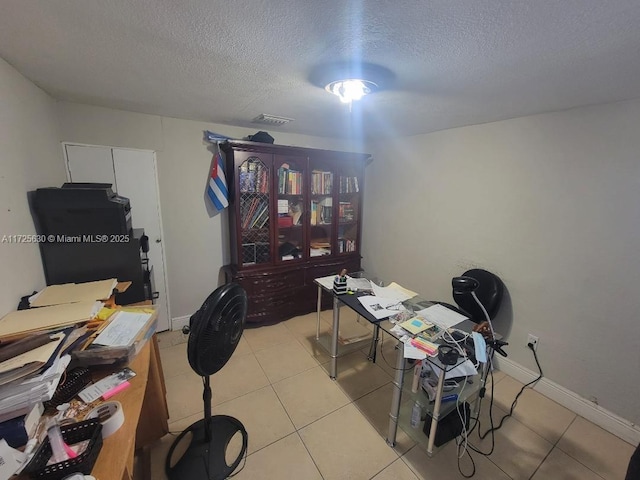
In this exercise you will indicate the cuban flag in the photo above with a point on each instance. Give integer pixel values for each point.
(217, 188)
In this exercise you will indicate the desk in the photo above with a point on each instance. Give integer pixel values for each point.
(399, 414)
(146, 417)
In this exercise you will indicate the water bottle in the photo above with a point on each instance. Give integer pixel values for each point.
(416, 412)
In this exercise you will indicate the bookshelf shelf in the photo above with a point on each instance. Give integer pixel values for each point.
(293, 216)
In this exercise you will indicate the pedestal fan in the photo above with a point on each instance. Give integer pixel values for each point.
(214, 332)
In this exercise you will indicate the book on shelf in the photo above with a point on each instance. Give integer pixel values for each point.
(314, 212)
(284, 221)
(257, 213)
(326, 214)
(260, 217)
(346, 212)
(349, 185)
(346, 245)
(254, 177)
(321, 182)
(324, 211)
(289, 181)
(248, 213)
(283, 206)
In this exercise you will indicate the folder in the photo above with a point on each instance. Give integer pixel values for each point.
(29, 362)
(74, 292)
(22, 322)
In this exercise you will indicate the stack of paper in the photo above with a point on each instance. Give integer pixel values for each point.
(442, 316)
(73, 293)
(20, 392)
(20, 396)
(28, 362)
(123, 329)
(393, 292)
(22, 322)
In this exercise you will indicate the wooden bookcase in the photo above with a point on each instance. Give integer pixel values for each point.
(294, 215)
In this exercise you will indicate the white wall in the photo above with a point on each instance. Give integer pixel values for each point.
(195, 243)
(30, 158)
(550, 203)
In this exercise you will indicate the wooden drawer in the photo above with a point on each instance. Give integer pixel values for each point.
(274, 283)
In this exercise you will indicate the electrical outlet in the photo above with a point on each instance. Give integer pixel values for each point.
(532, 339)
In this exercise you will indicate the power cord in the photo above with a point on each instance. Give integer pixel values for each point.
(410, 367)
(464, 441)
(515, 401)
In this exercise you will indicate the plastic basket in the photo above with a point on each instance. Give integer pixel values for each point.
(77, 432)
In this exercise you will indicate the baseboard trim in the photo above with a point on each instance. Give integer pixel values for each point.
(612, 423)
(178, 322)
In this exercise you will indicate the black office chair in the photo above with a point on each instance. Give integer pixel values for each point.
(489, 291)
(477, 285)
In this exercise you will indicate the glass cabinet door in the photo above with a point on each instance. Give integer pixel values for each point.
(321, 212)
(348, 208)
(290, 178)
(254, 186)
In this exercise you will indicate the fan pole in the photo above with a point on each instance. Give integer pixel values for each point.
(206, 397)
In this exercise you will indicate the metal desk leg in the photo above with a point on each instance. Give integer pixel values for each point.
(374, 343)
(398, 380)
(318, 312)
(334, 338)
(436, 412)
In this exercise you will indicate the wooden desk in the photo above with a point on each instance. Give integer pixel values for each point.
(145, 413)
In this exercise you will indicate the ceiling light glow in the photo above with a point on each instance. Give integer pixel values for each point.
(351, 81)
(351, 89)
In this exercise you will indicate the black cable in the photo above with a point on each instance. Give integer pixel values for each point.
(410, 367)
(473, 463)
(515, 401)
(492, 428)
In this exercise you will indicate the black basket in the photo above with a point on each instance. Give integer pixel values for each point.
(77, 432)
(73, 382)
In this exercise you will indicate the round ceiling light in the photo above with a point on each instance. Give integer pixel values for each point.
(351, 81)
(351, 89)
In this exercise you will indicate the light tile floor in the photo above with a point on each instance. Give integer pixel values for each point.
(302, 425)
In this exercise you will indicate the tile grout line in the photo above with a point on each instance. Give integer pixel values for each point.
(568, 454)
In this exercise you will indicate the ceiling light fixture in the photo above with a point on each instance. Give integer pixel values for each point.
(351, 81)
(351, 89)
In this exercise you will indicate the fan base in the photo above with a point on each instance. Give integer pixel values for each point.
(207, 460)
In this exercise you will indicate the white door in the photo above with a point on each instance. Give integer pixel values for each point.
(90, 164)
(133, 175)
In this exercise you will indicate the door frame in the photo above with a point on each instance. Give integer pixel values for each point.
(155, 165)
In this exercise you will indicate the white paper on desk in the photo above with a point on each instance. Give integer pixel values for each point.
(442, 316)
(380, 307)
(122, 330)
(356, 284)
(393, 291)
(352, 283)
(10, 460)
(465, 369)
(326, 282)
(19, 396)
(412, 352)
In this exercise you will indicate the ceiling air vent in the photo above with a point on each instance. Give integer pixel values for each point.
(271, 120)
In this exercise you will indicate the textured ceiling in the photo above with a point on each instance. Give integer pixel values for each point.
(456, 62)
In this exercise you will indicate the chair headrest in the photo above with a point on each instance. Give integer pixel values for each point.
(489, 292)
